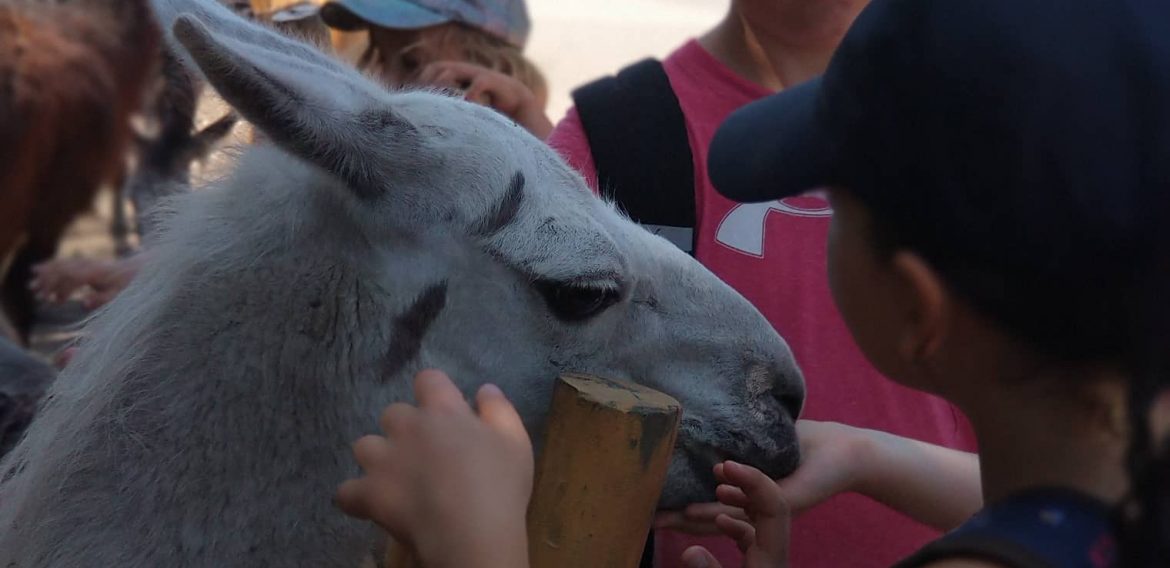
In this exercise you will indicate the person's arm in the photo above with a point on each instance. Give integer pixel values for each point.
(934, 485)
(764, 535)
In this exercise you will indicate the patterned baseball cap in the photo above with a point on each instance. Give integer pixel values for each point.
(505, 19)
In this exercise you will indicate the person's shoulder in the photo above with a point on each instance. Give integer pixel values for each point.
(569, 140)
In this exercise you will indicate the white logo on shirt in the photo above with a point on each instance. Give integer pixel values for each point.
(743, 228)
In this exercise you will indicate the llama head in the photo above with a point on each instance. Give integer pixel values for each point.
(509, 269)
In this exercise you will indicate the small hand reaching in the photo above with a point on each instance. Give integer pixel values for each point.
(828, 467)
(934, 485)
(490, 88)
(97, 281)
(451, 484)
(763, 537)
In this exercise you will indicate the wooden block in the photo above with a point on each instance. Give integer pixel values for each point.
(598, 478)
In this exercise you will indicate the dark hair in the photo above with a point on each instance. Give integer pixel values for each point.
(1117, 315)
(1144, 518)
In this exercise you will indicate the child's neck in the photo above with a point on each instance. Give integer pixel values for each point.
(776, 55)
(1042, 436)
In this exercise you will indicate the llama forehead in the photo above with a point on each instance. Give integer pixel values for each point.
(500, 215)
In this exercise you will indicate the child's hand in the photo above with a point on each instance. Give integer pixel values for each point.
(829, 466)
(99, 281)
(764, 537)
(452, 485)
(493, 89)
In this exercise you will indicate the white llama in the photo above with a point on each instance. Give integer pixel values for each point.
(207, 420)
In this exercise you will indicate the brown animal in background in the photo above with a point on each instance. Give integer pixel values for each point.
(71, 75)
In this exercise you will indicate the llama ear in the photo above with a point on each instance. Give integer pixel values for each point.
(334, 120)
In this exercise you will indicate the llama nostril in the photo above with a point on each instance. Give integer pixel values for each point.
(791, 403)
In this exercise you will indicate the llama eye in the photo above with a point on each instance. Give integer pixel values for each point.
(577, 302)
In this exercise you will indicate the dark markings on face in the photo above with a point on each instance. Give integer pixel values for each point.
(411, 326)
(504, 211)
(380, 119)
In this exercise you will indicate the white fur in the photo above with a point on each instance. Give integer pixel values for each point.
(207, 421)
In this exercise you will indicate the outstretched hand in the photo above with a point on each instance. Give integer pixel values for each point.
(450, 483)
(763, 537)
(97, 281)
(828, 467)
(490, 88)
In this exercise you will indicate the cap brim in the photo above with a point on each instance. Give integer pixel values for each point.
(772, 148)
(393, 14)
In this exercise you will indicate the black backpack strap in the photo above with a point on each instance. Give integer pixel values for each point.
(638, 137)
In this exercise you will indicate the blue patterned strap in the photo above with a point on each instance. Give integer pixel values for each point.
(1048, 528)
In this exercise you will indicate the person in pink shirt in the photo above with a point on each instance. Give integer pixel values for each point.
(774, 254)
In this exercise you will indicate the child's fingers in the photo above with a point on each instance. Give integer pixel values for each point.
(351, 499)
(447, 78)
(699, 557)
(434, 391)
(732, 496)
(373, 453)
(758, 489)
(375, 500)
(765, 505)
(427, 75)
(497, 411)
(742, 532)
(396, 417)
(476, 93)
(708, 511)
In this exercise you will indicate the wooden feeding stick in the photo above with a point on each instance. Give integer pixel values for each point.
(598, 478)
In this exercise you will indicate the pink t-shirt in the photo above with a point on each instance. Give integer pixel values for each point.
(774, 254)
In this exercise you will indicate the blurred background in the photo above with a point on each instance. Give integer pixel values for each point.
(573, 41)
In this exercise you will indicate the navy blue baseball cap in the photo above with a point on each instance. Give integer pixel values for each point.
(1029, 137)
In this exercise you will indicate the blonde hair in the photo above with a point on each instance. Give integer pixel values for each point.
(474, 45)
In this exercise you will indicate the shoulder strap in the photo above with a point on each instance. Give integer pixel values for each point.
(974, 546)
(638, 137)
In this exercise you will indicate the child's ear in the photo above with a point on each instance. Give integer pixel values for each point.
(1160, 420)
(925, 304)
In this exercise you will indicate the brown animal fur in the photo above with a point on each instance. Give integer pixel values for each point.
(71, 74)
